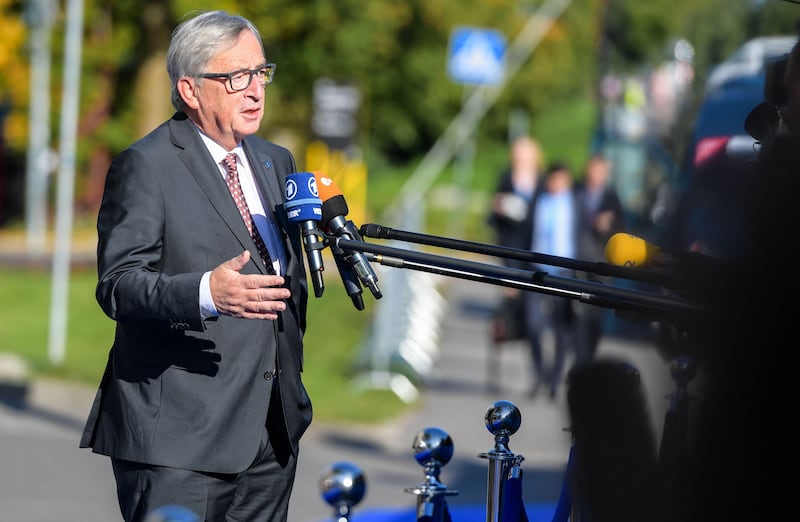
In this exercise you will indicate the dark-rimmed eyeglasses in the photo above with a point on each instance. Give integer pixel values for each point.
(241, 79)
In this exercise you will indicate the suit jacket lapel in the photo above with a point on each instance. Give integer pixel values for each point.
(201, 165)
(265, 175)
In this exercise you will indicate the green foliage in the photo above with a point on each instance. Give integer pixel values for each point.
(394, 52)
(641, 33)
(714, 42)
(776, 17)
(565, 131)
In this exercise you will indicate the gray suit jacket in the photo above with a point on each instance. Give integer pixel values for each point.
(179, 391)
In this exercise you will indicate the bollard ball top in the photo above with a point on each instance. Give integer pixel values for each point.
(342, 484)
(432, 446)
(503, 418)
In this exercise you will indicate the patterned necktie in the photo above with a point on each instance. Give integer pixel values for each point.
(232, 180)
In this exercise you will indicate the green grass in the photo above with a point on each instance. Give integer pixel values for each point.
(24, 329)
(333, 339)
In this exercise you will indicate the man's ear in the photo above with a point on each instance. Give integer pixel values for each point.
(188, 90)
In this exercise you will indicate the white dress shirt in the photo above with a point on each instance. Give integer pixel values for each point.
(255, 202)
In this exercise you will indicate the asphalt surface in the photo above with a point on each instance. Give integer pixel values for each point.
(47, 478)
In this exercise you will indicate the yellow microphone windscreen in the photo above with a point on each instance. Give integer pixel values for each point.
(624, 249)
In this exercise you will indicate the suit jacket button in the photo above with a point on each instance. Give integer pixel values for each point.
(268, 376)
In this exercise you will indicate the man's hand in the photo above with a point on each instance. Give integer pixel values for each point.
(252, 296)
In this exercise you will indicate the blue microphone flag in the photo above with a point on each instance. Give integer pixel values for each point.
(302, 197)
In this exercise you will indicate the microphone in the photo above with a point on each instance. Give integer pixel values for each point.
(334, 210)
(304, 207)
(623, 249)
(694, 275)
(627, 250)
(349, 278)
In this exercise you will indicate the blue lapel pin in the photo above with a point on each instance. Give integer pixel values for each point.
(268, 164)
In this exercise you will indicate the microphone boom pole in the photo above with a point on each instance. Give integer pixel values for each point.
(599, 268)
(539, 281)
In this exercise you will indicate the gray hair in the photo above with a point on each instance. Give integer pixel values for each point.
(197, 40)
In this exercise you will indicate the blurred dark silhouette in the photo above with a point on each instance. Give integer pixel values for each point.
(614, 474)
(739, 439)
(742, 431)
(600, 215)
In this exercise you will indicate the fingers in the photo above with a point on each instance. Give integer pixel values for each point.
(259, 301)
(250, 296)
(256, 281)
(269, 295)
(243, 299)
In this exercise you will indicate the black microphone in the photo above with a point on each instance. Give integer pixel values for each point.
(304, 207)
(334, 210)
(349, 278)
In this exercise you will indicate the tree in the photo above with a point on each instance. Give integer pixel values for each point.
(394, 52)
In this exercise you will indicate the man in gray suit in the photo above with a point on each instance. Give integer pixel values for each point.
(202, 403)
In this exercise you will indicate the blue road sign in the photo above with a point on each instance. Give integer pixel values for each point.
(475, 55)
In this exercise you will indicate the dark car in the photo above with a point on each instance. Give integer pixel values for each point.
(715, 167)
(720, 153)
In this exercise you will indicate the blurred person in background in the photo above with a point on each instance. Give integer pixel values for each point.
(515, 191)
(202, 404)
(509, 210)
(600, 215)
(551, 230)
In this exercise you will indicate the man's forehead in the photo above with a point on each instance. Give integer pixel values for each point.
(244, 53)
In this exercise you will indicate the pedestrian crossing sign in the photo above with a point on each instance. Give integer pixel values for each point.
(476, 56)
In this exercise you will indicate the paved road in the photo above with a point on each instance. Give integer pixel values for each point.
(46, 478)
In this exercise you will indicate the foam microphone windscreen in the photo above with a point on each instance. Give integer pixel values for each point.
(624, 249)
(614, 473)
(326, 186)
(333, 202)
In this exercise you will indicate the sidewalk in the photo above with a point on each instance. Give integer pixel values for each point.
(456, 400)
(47, 478)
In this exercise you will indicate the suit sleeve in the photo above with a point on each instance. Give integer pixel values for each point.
(132, 284)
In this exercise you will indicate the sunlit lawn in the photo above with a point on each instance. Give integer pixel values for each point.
(334, 336)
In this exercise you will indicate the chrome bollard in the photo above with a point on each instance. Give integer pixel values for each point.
(433, 448)
(343, 486)
(503, 419)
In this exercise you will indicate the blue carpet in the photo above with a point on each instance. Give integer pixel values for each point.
(536, 513)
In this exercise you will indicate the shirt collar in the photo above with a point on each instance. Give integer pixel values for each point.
(217, 151)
